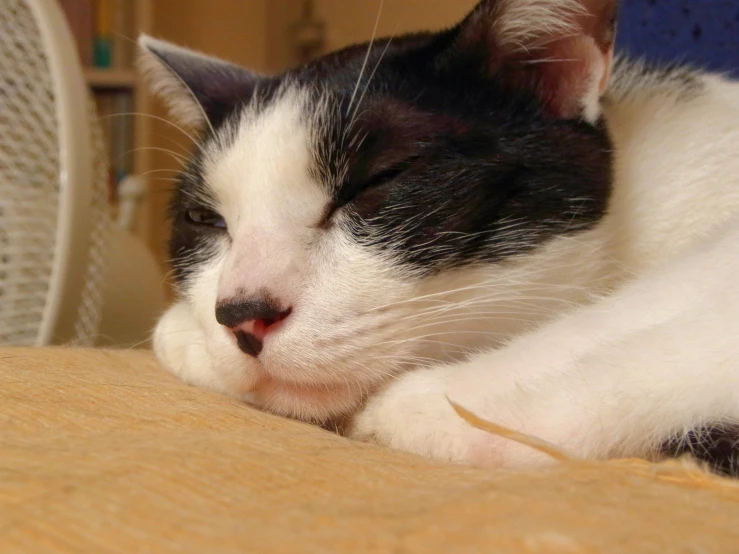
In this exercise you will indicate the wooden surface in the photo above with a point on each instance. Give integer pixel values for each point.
(102, 451)
(105, 79)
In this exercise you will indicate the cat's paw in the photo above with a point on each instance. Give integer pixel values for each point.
(181, 347)
(414, 414)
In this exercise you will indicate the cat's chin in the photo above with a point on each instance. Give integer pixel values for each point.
(313, 403)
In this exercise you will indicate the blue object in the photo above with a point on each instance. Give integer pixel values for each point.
(703, 33)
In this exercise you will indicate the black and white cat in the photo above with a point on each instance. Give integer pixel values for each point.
(496, 214)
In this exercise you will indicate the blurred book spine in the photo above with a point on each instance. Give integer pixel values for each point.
(103, 39)
(104, 31)
(114, 110)
(122, 40)
(122, 139)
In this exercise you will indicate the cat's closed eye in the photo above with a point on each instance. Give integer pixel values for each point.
(369, 191)
(352, 192)
(205, 217)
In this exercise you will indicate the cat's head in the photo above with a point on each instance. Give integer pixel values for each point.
(383, 206)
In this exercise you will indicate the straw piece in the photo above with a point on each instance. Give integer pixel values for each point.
(527, 440)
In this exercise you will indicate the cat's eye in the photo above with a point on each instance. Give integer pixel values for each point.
(385, 177)
(206, 217)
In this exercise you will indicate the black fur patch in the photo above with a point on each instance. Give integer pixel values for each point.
(442, 166)
(717, 446)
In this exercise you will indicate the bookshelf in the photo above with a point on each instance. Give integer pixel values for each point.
(106, 31)
(110, 79)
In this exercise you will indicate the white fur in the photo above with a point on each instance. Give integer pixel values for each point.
(269, 207)
(521, 25)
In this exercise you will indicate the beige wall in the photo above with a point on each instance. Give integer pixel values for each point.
(281, 17)
(233, 29)
(350, 21)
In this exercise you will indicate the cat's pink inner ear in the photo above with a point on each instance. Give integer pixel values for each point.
(569, 81)
(560, 50)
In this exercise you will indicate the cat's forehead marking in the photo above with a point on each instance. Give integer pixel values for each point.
(260, 167)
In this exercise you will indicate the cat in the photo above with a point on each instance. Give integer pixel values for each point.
(500, 214)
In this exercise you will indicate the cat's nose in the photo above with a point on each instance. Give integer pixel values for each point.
(250, 320)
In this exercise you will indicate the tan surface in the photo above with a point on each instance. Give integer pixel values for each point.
(104, 452)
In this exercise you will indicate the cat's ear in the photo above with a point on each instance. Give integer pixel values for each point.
(559, 50)
(194, 86)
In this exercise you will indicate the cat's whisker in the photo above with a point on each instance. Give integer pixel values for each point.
(374, 71)
(157, 118)
(177, 157)
(496, 300)
(490, 334)
(492, 284)
(457, 320)
(420, 340)
(395, 304)
(184, 150)
(367, 55)
(497, 310)
(489, 315)
(155, 171)
(137, 344)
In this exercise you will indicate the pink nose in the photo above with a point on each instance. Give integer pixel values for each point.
(250, 320)
(261, 326)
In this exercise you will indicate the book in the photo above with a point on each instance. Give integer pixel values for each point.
(122, 136)
(123, 29)
(103, 37)
(104, 108)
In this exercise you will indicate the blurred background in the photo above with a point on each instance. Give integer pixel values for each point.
(142, 151)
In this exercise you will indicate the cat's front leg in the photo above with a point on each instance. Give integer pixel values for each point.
(656, 360)
(520, 387)
(414, 414)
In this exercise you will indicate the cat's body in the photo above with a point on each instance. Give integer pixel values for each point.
(598, 313)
